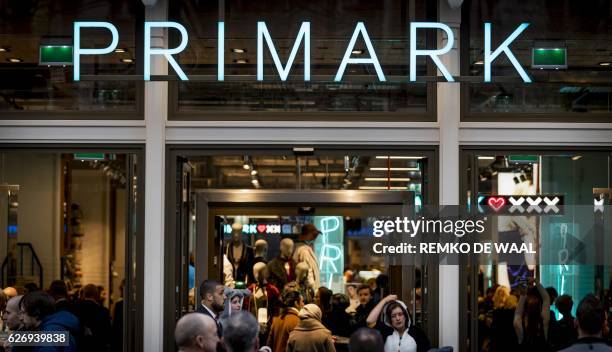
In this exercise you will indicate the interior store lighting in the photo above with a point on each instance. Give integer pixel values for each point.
(241, 61)
(120, 50)
(605, 64)
(394, 169)
(486, 158)
(377, 188)
(238, 50)
(479, 63)
(14, 60)
(399, 157)
(246, 163)
(576, 157)
(357, 52)
(127, 61)
(384, 179)
(253, 172)
(3, 50)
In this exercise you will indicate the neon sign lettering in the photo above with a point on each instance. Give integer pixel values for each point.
(253, 229)
(329, 248)
(263, 36)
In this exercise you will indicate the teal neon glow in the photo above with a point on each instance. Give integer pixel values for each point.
(489, 56)
(433, 54)
(303, 34)
(167, 53)
(329, 248)
(373, 59)
(77, 52)
(220, 51)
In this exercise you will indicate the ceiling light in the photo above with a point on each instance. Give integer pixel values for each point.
(394, 169)
(399, 157)
(238, 50)
(120, 50)
(253, 172)
(381, 188)
(241, 61)
(357, 52)
(14, 60)
(3, 50)
(127, 61)
(605, 64)
(246, 164)
(577, 157)
(486, 158)
(479, 63)
(391, 179)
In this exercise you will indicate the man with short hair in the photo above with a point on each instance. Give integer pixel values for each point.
(366, 304)
(59, 291)
(366, 340)
(196, 332)
(95, 320)
(240, 334)
(11, 317)
(592, 324)
(212, 294)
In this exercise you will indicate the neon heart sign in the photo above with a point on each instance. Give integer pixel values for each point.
(496, 203)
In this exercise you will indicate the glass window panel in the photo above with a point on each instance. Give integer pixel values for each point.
(583, 30)
(27, 27)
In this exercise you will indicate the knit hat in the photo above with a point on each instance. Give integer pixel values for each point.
(310, 311)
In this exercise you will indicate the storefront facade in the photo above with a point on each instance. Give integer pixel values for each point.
(178, 144)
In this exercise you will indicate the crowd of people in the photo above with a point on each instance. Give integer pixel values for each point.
(523, 323)
(81, 313)
(522, 319)
(224, 322)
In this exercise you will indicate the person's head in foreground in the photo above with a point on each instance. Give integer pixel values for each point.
(34, 307)
(397, 316)
(591, 317)
(366, 340)
(11, 316)
(196, 332)
(240, 333)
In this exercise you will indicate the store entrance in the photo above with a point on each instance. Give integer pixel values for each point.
(262, 197)
(343, 249)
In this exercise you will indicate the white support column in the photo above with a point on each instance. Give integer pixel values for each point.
(448, 100)
(156, 98)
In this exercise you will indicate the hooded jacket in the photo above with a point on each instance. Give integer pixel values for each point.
(421, 340)
(310, 335)
(60, 321)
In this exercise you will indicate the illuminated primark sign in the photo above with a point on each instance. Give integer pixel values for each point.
(303, 38)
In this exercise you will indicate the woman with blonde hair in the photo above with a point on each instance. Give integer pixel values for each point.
(503, 337)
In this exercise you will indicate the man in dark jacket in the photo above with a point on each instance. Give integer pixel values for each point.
(95, 320)
(38, 314)
(213, 298)
(592, 324)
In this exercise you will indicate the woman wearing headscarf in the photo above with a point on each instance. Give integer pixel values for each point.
(310, 335)
(284, 324)
(392, 318)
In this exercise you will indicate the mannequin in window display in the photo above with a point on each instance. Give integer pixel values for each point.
(228, 275)
(264, 300)
(301, 283)
(261, 251)
(282, 268)
(240, 256)
(304, 253)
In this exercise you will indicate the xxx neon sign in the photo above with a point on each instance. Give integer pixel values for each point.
(303, 36)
